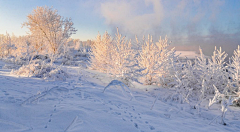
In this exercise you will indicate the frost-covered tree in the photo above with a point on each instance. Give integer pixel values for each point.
(6, 45)
(123, 55)
(200, 77)
(212, 70)
(225, 99)
(168, 62)
(147, 60)
(114, 56)
(186, 82)
(157, 62)
(234, 72)
(217, 74)
(77, 44)
(100, 52)
(48, 28)
(234, 69)
(23, 44)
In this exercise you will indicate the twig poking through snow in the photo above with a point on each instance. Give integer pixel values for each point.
(213, 120)
(154, 101)
(74, 120)
(123, 86)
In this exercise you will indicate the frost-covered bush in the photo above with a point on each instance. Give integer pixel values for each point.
(225, 99)
(6, 45)
(17, 50)
(23, 46)
(65, 55)
(56, 74)
(100, 52)
(208, 72)
(216, 74)
(205, 77)
(196, 81)
(41, 69)
(122, 57)
(234, 73)
(234, 69)
(113, 56)
(83, 47)
(183, 91)
(212, 71)
(157, 62)
(66, 59)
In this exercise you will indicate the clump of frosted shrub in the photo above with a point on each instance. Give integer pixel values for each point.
(41, 69)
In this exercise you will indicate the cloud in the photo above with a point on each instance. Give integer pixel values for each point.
(186, 22)
(215, 5)
(128, 17)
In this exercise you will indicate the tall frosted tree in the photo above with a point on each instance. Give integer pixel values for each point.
(100, 52)
(49, 29)
(114, 56)
(123, 55)
(157, 61)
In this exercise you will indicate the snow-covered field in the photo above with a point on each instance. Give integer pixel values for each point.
(79, 105)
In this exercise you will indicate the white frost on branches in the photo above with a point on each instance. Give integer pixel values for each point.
(100, 57)
(113, 56)
(157, 62)
(48, 28)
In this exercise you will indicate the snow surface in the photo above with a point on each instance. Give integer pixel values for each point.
(79, 105)
(187, 54)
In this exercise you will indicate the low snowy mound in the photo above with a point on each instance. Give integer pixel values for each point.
(56, 74)
(42, 70)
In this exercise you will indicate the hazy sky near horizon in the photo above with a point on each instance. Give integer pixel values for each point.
(189, 23)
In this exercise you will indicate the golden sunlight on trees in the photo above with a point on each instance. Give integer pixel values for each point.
(114, 56)
(100, 52)
(157, 61)
(6, 45)
(48, 29)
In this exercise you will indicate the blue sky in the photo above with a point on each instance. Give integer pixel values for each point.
(185, 22)
(14, 12)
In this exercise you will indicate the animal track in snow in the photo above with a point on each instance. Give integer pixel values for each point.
(151, 127)
(50, 116)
